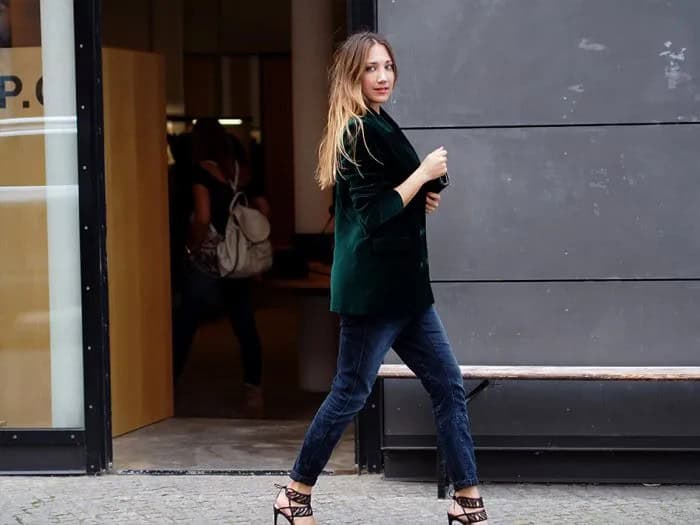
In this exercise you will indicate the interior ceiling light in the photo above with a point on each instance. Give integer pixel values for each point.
(226, 121)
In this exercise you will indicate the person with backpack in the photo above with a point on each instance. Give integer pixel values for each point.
(219, 172)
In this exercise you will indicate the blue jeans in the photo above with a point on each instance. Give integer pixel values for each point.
(205, 297)
(421, 342)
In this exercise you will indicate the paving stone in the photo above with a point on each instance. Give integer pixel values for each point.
(367, 499)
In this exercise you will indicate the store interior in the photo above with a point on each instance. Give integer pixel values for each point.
(258, 67)
(260, 70)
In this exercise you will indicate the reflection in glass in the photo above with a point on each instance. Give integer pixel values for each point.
(41, 376)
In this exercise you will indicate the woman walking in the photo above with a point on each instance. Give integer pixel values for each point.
(380, 284)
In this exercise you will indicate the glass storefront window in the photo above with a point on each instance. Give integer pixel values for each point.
(41, 365)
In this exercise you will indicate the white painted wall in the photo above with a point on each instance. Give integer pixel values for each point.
(62, 219)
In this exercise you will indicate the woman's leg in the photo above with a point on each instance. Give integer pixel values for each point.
(200, 294)
(424, 347)
(364, 342)
(242, 316)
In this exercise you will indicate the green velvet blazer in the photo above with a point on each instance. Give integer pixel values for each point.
(380, 262)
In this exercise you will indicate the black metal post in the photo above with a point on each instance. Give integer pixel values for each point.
(91, 184)
(369, 430)
(361, 15)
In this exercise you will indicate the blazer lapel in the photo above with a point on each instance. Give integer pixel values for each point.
(407, 159)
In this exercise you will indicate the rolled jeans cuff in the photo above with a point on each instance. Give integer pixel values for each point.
(463, 484)
(300, 478)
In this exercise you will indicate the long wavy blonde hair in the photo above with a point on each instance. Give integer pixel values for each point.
(346, 103)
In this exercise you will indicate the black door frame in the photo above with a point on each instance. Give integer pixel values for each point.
(88, 449)
(361, 15)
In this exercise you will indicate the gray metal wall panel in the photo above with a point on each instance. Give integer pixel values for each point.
(558, 408)
(559, 203)
(567, 203)
(505, 62)
(573, 323)
(566, 323)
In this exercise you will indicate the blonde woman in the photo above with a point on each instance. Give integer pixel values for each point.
(380, 284)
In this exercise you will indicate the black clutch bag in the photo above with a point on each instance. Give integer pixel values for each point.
(439, 184)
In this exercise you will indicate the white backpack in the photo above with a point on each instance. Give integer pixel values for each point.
(245, 249)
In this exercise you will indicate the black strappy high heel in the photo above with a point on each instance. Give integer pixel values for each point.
(303, 510)
(470, 517)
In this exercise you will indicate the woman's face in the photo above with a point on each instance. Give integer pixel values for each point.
(378, 77)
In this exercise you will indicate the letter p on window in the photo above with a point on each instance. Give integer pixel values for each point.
(10, 86)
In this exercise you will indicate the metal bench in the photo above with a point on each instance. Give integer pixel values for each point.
(370, 427)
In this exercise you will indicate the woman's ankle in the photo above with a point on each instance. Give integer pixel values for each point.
(300, 487)
(469, 492)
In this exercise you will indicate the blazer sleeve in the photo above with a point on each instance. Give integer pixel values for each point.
(372, 194)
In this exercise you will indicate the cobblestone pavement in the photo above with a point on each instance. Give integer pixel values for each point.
(341, 500)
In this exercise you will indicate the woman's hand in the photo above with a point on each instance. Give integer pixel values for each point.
(432, 201)
(435, 164)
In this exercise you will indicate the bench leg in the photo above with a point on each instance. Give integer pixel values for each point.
(477, 390)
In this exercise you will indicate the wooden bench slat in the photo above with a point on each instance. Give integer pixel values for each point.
(590, 373)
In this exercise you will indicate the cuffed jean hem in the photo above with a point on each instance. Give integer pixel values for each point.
(464, 483)
(300, 478)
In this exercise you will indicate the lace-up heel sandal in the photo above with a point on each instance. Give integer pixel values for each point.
(302, 510)
(467, 517)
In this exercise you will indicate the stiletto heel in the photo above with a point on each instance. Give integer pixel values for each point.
(303, 510)
(470, 517)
